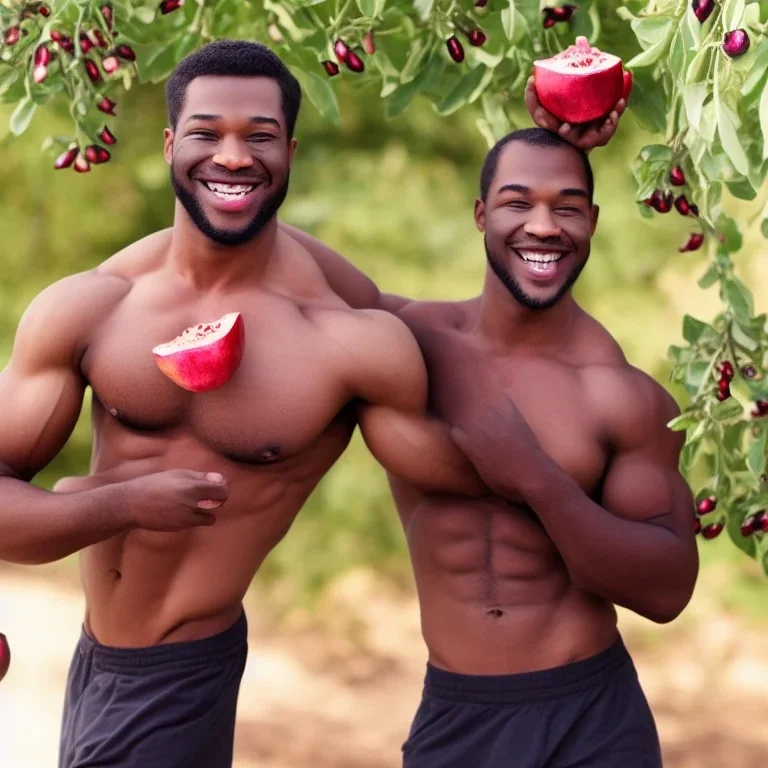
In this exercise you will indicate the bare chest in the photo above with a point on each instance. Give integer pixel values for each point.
(549, 394)
(283, 396)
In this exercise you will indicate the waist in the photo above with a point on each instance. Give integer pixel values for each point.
(148, 659)
(542, 684)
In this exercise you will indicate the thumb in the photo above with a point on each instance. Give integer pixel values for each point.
(71, 484)
(460, 437)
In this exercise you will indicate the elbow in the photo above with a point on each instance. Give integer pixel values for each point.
(666, 607)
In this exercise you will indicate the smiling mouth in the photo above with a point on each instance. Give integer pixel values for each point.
(229, 191)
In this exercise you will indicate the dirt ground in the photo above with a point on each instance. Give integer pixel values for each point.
(341, 694)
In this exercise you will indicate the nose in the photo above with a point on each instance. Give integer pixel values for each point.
(541, 224)
(233, 155)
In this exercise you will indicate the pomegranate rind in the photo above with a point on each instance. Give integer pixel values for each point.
(205, 363)
(575, 93)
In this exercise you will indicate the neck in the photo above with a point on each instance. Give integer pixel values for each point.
(507, 323)
(207, 265)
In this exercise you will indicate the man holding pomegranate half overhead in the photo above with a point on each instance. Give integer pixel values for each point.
(585, 508)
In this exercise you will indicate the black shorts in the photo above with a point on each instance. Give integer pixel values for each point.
(166, 706)
(590, 714)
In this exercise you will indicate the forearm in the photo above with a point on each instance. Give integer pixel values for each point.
(39, 527)
(640, 565)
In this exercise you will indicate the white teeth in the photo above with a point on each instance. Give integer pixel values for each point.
(541, 257)
(229, 190)
(541, 266)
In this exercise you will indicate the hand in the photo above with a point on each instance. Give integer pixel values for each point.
(503, 449)
(586, 136)
(164, 501)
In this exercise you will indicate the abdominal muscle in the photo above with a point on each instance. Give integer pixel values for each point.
(495, 595)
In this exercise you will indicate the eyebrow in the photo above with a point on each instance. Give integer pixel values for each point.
(253, 119)
(523, 190)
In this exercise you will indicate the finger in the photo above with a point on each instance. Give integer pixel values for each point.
(531, 98)
(545, 119)
(208, 504)
(202, 518)
(621, 106)
(212, 492)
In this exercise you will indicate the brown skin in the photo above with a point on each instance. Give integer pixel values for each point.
(189, 492)
(587, 507)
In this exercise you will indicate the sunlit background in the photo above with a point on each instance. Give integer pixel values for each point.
(336, 659)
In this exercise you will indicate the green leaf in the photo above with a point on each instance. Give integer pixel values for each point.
(682, 422)
(763, 111)
(22, 116)
(678, 355)
(758, 71)
(694, 375)
(728, 409)
(656, 51)
(8, 78)
(461, 93)
(741, 189)
(144, 15)
(651, 30)
(708, 121)
(371, 8)
(318, 90)
(730, 231)
(693, 97)
(764, 227)
(733, 525)
(710, 277)
(743, 338)
(739, 297)
(694, 329)
(423, 8)
(756, 454)
(688, 455)
(495, 115)
(727, 126)
(733, 11)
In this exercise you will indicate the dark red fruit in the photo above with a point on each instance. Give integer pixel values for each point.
(711, 531)
(682, 205)
(126, 52)
(107, 106)
(760, 409)
(5, 656)
(706, 505)
(725, 369)
(92, 71)
(106, 12)
(44, 10)
(12, 35)
(564, 12)
(747, 527)
(39, 73)
(354, 62)
(65, 159)
(660, 201)
(694, 242)
(455, 49)
(101, 41)
(107, 136)
(369, 44)
(62, 40)
(723, 394)
(81, 164)
(110, 64)
(42, 55)
(477, 37)
(85, 43)
(341, 49)
(749, 372)
(168, 6)
(761, 521)
(696, 525)
(702, 9)
(96, 155)
(481, 3)
(736, 43)
(549, 18)
(331, 68)
(676, 176)
(694, 209)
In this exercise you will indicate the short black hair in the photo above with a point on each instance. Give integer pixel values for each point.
(233, 57)
(535, 137)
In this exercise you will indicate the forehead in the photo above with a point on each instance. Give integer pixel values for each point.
(540, 168)
(233, 96)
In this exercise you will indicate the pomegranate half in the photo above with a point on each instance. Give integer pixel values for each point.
(582, 83)
(204, 356)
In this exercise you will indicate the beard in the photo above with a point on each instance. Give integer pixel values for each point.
(530, 302)
(229, 236)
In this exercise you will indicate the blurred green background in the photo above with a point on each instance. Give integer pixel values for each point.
(396, 197)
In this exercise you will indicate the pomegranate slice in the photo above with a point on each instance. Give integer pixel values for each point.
(204, 356)
(580, 84)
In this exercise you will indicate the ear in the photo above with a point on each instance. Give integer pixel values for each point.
(595, 214)
(292, 147)
(168, 145)
(480, 214)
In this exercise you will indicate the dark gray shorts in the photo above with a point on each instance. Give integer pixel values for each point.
(166, 706)
(590, 714)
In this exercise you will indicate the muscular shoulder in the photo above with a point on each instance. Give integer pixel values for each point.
(379, 355)
(634, 409)
(139, 258)
(435, 314)
(55, 327)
